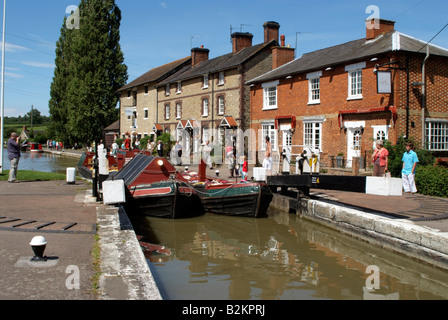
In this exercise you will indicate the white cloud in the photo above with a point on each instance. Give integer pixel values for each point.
(38, 64)
(14, 75)
(10, 47)
(163, 4)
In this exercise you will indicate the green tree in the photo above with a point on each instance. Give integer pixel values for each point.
(89, 70)
(58, 93)
(35, 116)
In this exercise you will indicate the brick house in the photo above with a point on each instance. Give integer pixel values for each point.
(207, 97)
(138, 101)
(341, 99)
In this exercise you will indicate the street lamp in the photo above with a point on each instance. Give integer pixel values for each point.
(2, 98)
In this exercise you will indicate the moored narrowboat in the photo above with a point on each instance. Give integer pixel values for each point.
(154, 188)
(244, 198)
(34, 147)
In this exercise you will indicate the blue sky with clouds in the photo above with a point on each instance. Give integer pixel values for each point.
(155, 32)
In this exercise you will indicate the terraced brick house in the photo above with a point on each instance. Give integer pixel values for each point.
(207, 97)
(341, 99)
(138, 102)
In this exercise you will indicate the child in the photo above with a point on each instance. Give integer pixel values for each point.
(245, 168)
(410, 161)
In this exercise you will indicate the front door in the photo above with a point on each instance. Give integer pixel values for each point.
(353, 145)
(286, 146)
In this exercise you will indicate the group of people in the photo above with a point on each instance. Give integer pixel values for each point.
(55, 145)
(380, 159)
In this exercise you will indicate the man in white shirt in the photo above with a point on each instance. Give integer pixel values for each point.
(267, 163)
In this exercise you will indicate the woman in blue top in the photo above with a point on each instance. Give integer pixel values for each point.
(410, 161)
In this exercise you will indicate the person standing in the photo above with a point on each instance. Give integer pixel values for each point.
(380, 159)
(160, 148)
(267, 163)
(178, 153)
(127, 143)
(114, 148)
(206, 155)
(14, 156)
(410, 161)
(245, 169)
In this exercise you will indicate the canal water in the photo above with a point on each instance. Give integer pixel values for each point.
(278, 258)
(43, 162)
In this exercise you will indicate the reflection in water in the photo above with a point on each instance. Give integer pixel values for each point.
(278, 258)
(43, 162)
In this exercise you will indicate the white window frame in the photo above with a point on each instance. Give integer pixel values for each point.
(268, 129)
(221, 78)
(221, 106)
(313, 78)
(205, 107)
(206, 81)
(179, 88)
(437, 134)
(355, 80)
(178, 111)
(167, 111)
(377, 130)
(145, 111)
(167, 89)
(312, 132)
(205, 134)
(270, 91)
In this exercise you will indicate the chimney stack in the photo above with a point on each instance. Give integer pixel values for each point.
(198, 55)
(377, 27)
(271, 31)
(282, 54)
(241, 40)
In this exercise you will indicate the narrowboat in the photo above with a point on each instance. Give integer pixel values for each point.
(222, 197)
(34, 147)
(154, 188)
(85, 164)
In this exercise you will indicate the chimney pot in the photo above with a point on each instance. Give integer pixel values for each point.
(282, 39)
(198, 55)
(241, 40)
(377, 27)
(271, 31)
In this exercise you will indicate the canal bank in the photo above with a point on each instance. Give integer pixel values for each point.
(425, 240)
(73, 224)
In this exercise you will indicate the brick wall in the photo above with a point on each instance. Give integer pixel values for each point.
(293, 100)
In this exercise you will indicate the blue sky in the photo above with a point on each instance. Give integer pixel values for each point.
(155, 32)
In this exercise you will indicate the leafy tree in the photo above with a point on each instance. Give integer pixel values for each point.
(58, 95)
(35, 115)
(89, 70)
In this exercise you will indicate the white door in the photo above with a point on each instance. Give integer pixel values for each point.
(354, 144)
(286, 147)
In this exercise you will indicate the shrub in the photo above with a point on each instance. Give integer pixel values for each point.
(168, 143)
(144, 142)
(425, 157)
(432, 181)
